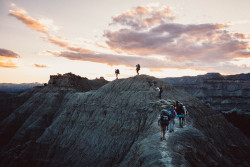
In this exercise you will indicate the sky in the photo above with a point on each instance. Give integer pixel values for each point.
(168, 38)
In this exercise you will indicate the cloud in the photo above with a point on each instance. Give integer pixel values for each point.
(68, 45)
(142, 17)
(146, 32)
(198, 42)
(27, 20)
(8, 53)
(46, 27)
(40, 66)
(6, 58)
(111, 59)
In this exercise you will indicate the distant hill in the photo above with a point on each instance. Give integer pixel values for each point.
(14, 88)
(228, 94)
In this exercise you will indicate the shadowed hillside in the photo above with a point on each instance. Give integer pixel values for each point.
(116, 125)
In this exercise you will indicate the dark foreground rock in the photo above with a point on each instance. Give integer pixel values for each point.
(116, 125)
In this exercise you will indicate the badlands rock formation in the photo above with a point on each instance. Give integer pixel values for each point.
(116, 125)
(227, 94)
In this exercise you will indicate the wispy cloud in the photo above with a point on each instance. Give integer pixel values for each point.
(111, 59)
(40, 66)
(46, 27)
(7, 57)
(27, 20)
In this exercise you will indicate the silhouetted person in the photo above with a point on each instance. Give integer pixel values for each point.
(117, 71)
(138, 67)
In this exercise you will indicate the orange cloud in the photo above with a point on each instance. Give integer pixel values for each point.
(50, 52)
(143, 17)
(6, 58)
(36, 25)
(27, 20)
(7, 63)
(40, 66)
(242, 36)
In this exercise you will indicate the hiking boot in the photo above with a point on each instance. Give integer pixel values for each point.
(164, 138)
(161, 138)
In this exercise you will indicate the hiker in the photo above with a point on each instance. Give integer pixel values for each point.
(172, 113)
(164, 122)
(117, 71)
(180, 113)
(160, 90)
(138, 67)
(185, 114)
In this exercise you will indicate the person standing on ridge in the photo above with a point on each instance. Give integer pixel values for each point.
(164, 122)
(138, 67)
(117, 71)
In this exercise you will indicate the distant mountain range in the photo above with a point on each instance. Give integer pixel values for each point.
(14, 88)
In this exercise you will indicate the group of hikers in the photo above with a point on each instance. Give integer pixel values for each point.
(167, 118)
(117, 71)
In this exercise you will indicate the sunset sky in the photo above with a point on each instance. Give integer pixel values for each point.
(169, 38)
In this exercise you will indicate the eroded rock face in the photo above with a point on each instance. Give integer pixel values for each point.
(116, 125)
(227, 94)
(79, 83)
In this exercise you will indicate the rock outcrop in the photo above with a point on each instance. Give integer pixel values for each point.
(9, 102)
(79, 83)
(116, 125)
(227, 94)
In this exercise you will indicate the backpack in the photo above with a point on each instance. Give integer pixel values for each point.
(138, 66)
(164, 117)
(172, 114)
(117, 71)
(180, 110)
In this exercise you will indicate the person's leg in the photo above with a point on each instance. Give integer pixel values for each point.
(164, 132)
(180, 122)
(161, 132)
(173, 123)
(170, 125)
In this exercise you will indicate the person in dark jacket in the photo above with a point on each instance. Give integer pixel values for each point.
(163, 121)
(180, 113)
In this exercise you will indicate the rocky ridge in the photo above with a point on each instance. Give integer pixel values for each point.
(116, 125)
